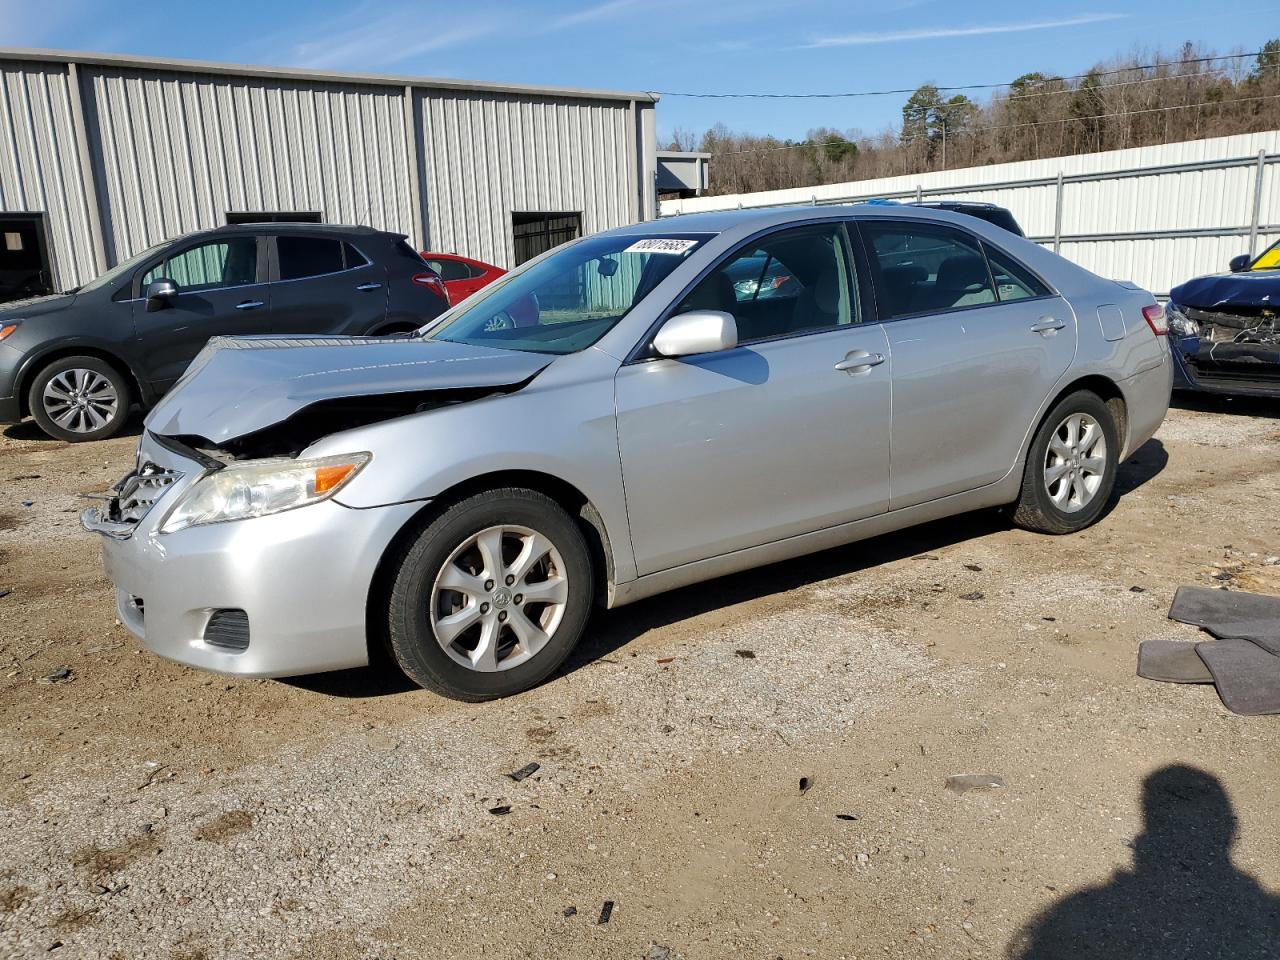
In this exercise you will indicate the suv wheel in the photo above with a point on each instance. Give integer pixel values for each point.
(1071, 467)
(79, 398)
(491, 597)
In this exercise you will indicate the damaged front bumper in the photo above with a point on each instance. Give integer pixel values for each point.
(272, 596)
(1225, 351)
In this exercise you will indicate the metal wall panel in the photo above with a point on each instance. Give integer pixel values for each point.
(1214, 199)
(179, 150)
(484, 156)
(40, 168)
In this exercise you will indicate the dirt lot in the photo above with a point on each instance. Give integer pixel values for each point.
(153, 811)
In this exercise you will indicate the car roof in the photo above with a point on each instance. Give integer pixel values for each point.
(719, 221)
(340, 229)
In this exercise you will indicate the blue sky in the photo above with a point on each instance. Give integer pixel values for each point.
(676, 45)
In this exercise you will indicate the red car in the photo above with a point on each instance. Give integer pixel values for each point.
(462, 276)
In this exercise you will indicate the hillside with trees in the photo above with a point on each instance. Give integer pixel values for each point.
(1128, 102)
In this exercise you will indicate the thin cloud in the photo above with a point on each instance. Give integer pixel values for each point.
(373, 43)
(939, 33)
(587, 14)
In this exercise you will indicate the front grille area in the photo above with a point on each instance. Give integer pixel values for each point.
(229, 629)
(138, 492)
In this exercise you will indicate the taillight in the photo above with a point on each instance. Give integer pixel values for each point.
(434, 284)
(1156, 320)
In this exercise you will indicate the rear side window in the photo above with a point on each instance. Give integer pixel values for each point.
(1013, 280)
(924, 268)
(450, 269)
(302, 257)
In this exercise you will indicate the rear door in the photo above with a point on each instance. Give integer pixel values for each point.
(222, 291)
(977, 344)
(325, 285)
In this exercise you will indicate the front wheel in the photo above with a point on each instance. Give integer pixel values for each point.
(79, 398)
(491, 597)
(1071, 467)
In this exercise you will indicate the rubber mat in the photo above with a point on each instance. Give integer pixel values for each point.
(1230, 614)
(1172, 661)
(1247, 677)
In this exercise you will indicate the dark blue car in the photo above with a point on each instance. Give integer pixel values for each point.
(1225, 329)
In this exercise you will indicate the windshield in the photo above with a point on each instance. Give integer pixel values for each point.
(120, 269)
(571, 299)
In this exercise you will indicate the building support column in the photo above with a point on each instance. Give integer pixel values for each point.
(88, 174)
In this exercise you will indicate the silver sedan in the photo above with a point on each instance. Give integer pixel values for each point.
(631, 412)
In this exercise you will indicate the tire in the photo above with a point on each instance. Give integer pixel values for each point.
(79, 399)
(1085, 475)
(451, 552)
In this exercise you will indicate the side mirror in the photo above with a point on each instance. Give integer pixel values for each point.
(160, 294)
(698, 331)
(1241, 263)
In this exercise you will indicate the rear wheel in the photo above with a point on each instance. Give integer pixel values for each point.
(79, 398)
(1071, 467)
(491, 597)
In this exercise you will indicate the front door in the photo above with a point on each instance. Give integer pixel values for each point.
(221, 292)
(327, 286)
(770, 440)
(979, 343)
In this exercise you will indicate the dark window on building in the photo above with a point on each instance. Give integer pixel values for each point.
(273, 216)
(24, 258)
(308, 257)
(536, 233)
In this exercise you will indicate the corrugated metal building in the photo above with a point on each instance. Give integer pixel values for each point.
(1156, 215)
(105, 156)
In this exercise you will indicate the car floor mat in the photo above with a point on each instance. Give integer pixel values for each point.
(1247, 677)
(1172, 661)
(1230, 614)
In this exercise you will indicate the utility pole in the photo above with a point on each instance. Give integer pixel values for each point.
(944, 141)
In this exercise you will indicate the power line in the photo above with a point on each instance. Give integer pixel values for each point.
(810, 144)
(970, 86)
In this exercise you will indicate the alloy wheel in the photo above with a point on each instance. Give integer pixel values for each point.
(80, 400)
(499, 598)
(1075, 462)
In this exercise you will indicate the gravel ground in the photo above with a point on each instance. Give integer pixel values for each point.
(756, 765)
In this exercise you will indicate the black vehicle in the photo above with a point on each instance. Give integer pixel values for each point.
(76, 362)
(975, 208)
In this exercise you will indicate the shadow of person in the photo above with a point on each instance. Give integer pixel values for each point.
(1183, 898)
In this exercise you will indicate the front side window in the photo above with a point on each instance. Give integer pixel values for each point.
(793, 281)
(570, 299)
(924, 268)
(232, 262)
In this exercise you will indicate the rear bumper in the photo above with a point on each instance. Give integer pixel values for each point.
(302, 578)
(1146, 397)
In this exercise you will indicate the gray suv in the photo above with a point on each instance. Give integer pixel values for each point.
(76, 362)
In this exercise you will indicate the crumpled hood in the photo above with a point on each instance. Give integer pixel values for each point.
(35, 306)
(1258, 288)
(238, 385)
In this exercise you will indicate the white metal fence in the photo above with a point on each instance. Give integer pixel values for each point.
(1154, 215)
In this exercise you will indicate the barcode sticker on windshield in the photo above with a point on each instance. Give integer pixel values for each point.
(662, 245)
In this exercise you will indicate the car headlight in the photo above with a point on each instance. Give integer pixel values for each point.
(1180, 323)
(241, 491)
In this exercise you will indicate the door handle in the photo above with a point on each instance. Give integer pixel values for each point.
(859, 361)
(1048, 326)
(366, 287)
(249, 305)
